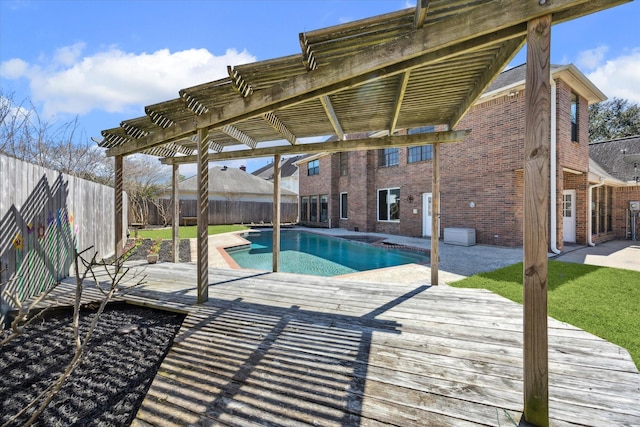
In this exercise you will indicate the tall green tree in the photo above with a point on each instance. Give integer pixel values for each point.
(616, 118)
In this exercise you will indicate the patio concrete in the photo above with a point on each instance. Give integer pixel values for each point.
(456, 262)
(616, 253)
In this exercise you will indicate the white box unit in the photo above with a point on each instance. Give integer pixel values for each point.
(460, 236)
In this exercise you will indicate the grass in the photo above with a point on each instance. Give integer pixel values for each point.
(186, 232)
(603, 301)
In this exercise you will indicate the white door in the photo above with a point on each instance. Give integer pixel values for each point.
(426, 214)
(569, 215)
(427, 202)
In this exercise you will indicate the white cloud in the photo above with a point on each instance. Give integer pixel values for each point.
(68, 55)
(13, 68)
(115, 81)
(589, 59)
(619, 77)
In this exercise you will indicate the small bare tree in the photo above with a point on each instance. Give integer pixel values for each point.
(144, 178)
(84, 268)
(64, 147)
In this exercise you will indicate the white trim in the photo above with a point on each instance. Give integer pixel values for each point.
(553, 171)
(347, 194)
(388, 189)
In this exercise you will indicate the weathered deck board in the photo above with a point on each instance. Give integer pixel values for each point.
(283, 349)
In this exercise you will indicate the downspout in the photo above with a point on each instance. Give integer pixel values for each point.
(589, 208)
(553, 179)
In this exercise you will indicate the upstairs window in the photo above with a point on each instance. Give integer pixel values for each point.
(574, 117)
(422, 153)
(387, 157)
(344, 163)
(313, 167)
(419, 154)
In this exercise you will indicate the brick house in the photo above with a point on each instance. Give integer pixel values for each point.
(614, 178)
(481, 179)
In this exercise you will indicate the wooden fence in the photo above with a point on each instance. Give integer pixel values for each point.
(44, 216)
(225, 212)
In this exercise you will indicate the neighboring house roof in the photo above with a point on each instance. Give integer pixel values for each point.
(598, 174)
(287, 168)
(610, 155)
(513, 80)
(224, 180)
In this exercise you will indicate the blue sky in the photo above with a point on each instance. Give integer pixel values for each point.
(103, 61)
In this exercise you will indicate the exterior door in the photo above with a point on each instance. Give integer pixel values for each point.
(426, 214)
(427, 202)
(569, 215)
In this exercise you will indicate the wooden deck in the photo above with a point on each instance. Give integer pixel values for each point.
(284, 349)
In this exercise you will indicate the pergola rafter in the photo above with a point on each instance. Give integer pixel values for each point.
(421, 66)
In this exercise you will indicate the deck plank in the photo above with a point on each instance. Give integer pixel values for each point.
(286, 349)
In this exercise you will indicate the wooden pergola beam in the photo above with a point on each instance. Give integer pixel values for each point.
(402, 88)
(466, 31)
(503, 58)
(422, 7)
(275, 122)
(435, 215)
(203, 217)
(536, 220)
(331, 114)
(238, 135)
(276, 213)
(331, 146)
(118, 188)
(175, 227)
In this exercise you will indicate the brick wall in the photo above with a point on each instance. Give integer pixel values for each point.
(581, 185)
(481, 177)
(621, 218)
(318, 185)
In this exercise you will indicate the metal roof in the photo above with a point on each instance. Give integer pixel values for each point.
(418, 66)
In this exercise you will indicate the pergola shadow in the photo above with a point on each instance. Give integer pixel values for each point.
(244, 363)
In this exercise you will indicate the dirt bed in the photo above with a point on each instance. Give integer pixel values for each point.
(107, 388)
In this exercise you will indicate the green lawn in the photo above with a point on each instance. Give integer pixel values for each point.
(188, 232)
(603, 301)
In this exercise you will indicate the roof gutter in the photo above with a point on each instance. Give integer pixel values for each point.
(553, 169)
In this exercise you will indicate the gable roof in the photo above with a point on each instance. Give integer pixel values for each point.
(513, 79)
(287, 168)
(610, 155)
(232, 181)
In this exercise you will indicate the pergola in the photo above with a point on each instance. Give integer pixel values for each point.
(420, 66)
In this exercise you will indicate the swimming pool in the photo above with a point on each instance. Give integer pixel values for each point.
(315, 254)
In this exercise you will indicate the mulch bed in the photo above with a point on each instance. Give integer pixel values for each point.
(140, 253)
(107, 388)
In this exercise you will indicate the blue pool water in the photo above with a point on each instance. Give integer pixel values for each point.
(309, 253)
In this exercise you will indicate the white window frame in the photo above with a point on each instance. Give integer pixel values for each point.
(388, 190)
(341, 210)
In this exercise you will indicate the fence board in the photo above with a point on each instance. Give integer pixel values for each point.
(227, 212)
(44, 216)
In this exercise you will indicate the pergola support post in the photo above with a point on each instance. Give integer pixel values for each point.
(536, 220)
(435, 213)
(203, 216)
(276, 212)
(175, 234)
(118, 206)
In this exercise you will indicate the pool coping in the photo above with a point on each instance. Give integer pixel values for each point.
(240, 235)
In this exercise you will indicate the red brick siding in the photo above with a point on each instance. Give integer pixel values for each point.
(580, 184)
(573, 155)
(486, 169)
(621, 218)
